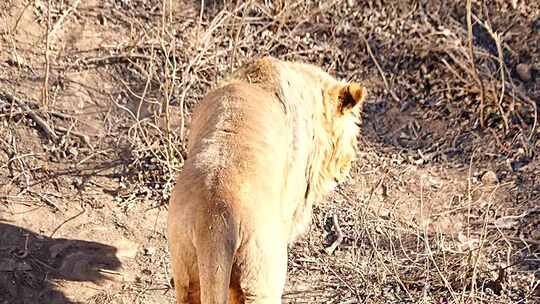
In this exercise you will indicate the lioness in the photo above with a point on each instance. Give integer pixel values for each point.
(272, 139)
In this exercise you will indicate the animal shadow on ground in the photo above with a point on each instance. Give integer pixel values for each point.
(31, 265)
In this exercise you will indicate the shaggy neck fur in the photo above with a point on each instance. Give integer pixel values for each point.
(333, 152)
(332, 134)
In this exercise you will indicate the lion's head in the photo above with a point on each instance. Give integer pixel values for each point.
(336, 143)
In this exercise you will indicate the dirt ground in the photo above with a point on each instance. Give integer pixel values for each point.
(443, 205)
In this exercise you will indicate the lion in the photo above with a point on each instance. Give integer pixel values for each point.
(273, 138)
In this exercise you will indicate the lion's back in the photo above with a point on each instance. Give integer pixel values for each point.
(239, 143)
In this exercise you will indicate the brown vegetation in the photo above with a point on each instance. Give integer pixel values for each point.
(443, 204)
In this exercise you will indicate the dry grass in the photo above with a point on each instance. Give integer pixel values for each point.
(446, 104)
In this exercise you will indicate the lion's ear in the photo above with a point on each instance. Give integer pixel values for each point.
(349, 96)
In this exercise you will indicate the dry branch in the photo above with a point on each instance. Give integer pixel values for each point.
(386, 85)
(474, 69)
(60, 21)
(85, 138)
(339, 236)
(424, 56)
(35, 117)
(45, 89)
(502, 67)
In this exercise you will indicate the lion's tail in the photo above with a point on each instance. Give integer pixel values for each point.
(216, 248)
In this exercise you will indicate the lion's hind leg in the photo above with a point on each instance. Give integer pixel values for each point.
(186, 286)
(181, 282)
(186, 282)
(264, 270)
(184, 268)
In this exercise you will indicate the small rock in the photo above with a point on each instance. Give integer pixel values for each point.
(516, 165)
(16, 59)
(146, 272)
(506, 222)
(102, 20)
(419, 161)
(514, 4)
(149, 251)
(524, 71)
(535, 234)
(385, 213)
(490, 178)
(73, 151)
(535, 25)
(126, 249)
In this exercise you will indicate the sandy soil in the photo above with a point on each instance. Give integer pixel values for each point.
(443, 205)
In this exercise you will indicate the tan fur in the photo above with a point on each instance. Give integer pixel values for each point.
(268, 142)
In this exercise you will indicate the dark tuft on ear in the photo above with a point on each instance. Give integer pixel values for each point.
(350, 96)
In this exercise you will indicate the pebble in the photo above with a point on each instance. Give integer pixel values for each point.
(535, 25)
(73, 151)
(149, 251)
(524, 71)
(490, 178)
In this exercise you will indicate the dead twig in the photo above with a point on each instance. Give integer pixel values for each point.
(61, 19)
(33, 115)
(114, 58)
(67, 220)
(85, 138)
(386, 85)
(474, 69)
(526, 98)
(497, 38)
(46, 200)
(45, 89)
(26, 251)
(339, 236)
(524, 240)
(20, 17)
(237, 36)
